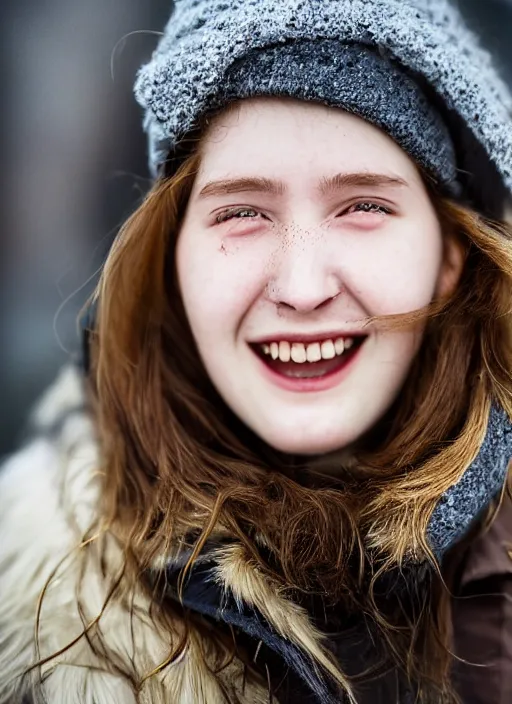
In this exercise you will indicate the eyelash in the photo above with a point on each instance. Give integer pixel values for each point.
(232, 213)
(227, 215)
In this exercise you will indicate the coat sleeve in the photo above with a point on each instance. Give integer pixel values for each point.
(482, 616)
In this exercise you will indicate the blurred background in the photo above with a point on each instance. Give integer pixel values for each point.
(74, 161)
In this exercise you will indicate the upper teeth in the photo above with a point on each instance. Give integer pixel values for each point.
(299, 352)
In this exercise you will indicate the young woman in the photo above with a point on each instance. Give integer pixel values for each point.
(281, 473)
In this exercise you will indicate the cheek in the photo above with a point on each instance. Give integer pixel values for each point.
(396, 275)
(219, 281)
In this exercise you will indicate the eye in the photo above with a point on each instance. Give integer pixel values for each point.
(367, 207)
(237, 213)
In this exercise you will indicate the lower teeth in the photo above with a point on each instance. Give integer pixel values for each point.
(309, 370)
(304, 373)
(301, 373)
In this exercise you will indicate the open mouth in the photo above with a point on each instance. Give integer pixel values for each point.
(312, 360)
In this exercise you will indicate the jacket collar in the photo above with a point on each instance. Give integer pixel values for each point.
(226, 587)
(207, 594)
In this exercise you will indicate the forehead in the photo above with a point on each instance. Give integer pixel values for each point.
(280, 136)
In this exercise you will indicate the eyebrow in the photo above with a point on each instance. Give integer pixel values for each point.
(240, 185)
(327, 185)
(335, 183)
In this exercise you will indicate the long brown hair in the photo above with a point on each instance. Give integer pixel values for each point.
(177, 462)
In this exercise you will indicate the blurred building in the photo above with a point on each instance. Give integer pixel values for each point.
(75, 165)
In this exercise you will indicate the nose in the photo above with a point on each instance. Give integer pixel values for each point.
(304, 276)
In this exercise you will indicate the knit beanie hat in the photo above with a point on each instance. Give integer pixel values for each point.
(411, 67)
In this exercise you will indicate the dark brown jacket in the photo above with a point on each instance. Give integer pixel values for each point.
(482, 615)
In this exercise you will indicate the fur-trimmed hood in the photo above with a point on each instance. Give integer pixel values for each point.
(49, 498)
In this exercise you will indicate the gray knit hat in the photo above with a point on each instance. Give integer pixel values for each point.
(409, 66)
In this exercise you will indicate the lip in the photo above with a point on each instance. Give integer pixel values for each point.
(311, 385)
(307, 337)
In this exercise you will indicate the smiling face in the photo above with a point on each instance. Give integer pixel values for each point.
(303, 222)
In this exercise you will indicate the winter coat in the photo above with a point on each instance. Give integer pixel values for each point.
(49, 495)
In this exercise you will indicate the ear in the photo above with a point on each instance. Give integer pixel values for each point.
(454, 257)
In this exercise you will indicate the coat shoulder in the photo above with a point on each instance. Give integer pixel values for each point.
(482, 614)
(47, 500)
(490, 554)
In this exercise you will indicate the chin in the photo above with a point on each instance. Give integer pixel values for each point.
(313, 445)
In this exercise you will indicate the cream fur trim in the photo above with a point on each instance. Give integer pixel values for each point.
(251, 587)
